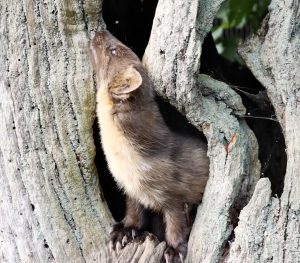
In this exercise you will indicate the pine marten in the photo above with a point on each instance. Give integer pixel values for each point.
(156, 168)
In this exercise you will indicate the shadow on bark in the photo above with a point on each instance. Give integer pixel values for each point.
(260, 111)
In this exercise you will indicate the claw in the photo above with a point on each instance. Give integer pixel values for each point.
(181, 257)
(167, 258)
(133, 233)
(124, 241)
(175, 255)
(120, 236)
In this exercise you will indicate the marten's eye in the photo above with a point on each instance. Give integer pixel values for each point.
(113, 50)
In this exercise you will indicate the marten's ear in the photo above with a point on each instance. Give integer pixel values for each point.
(125, 82)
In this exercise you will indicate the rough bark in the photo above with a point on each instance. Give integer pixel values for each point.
(50, 204)
(51, 208)
(269, 228)
(172, 60)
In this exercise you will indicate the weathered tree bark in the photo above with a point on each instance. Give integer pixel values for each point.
(51, 207)
(173, 61)
(50, 203)
(269, 227)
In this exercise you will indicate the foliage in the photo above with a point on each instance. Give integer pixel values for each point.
(244, 16)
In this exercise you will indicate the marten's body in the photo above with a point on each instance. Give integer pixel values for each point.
(156, 168)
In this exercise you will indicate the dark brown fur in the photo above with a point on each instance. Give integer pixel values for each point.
(176, 166)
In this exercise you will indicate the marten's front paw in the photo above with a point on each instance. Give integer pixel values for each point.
(176, 255)
(120, 236)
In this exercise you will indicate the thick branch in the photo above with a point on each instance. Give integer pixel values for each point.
(172, 60)
(273, 56)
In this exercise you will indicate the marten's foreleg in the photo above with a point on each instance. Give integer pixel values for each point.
(130, 227)
(177, 230)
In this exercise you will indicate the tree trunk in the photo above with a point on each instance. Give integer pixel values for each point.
(51, 205)
(269, 228)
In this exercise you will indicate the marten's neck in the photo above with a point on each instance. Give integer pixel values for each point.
(137, 119)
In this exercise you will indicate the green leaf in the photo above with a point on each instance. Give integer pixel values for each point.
(237, 14)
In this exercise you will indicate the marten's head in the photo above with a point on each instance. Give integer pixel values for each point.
(117, 66)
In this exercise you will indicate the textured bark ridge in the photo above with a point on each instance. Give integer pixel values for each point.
(172, 59)
(269, 228)
(50, 204)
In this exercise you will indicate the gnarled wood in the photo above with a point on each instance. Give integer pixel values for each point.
(269, 228)
(172, 59)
